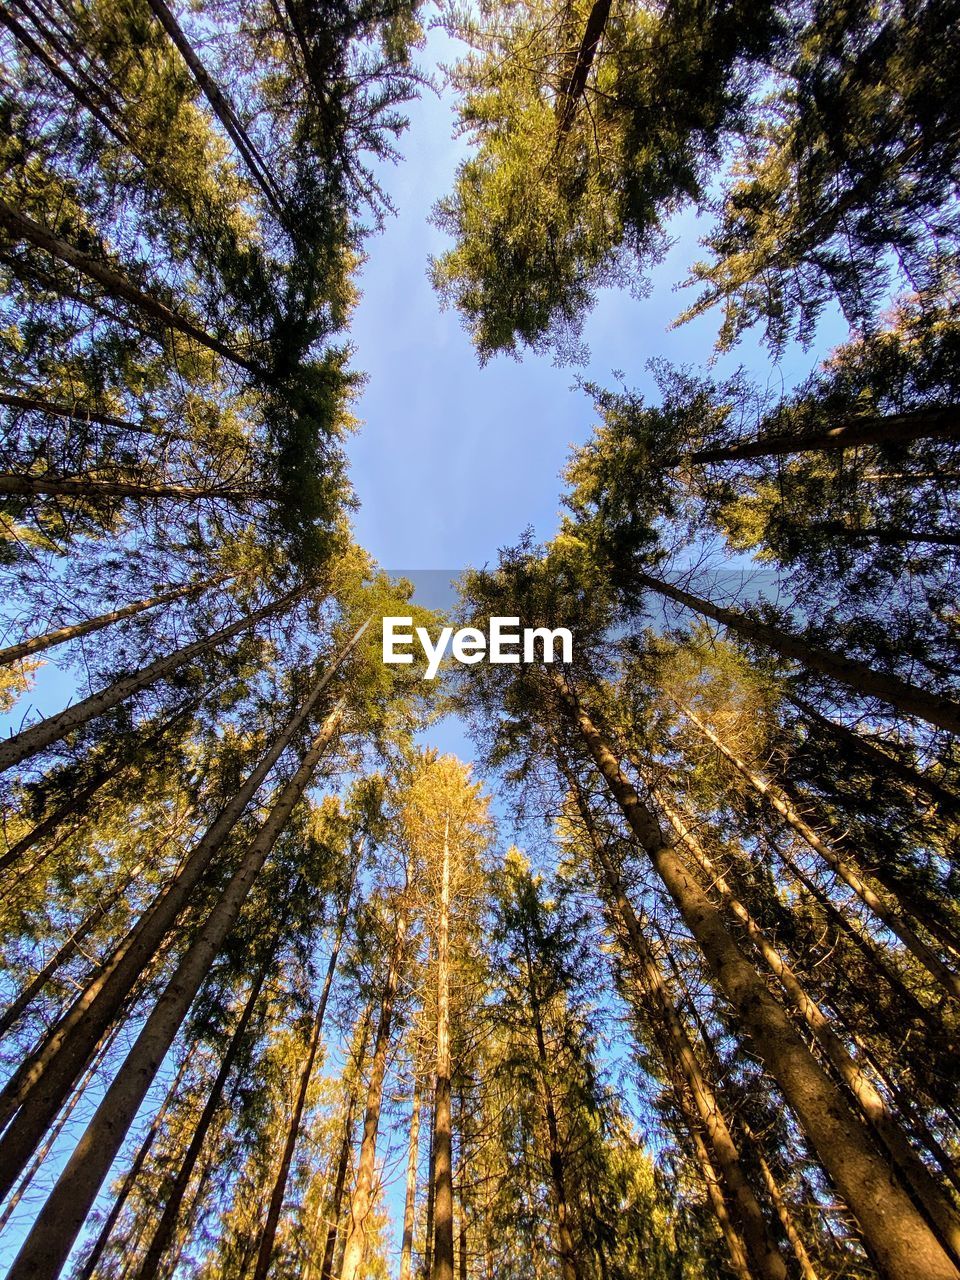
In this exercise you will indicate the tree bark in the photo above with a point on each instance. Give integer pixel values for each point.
(362, 1200)
(900, 1241)
(935, 708)
(56, 727)
(894, 428)
(327, 1270)
(576, 82)
(38, 644)
(410, 1197)
(55, 1230)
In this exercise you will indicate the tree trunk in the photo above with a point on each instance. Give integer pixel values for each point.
(52, 1236)
(410, 1198)
(93, 486)
(220, 106)
(268, 1236)
(576, 81)
(54, 728)
(41, 1083)
(935, 708)
(884, 536)
(940, 1213)
(839, 866)
(895, 428)
(26, 648)
(443, 1124)
(20, 227)
(362, 1201)
(87, 414)
(328, 1271)
(153, 1258)
(898, 1238)
(92, 1259)
(751, 1225)
(431, 1191)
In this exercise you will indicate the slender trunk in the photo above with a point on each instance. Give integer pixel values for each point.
(443, 1125)
(26, 648)
(570, 1268)
(92, 486)
(46, 1076)
(410, 1199)
(60, 1220)
(857, 675)
(131, 1178)
(576, 82)
(220, 106)
(431, 1189)
(736, 1248)
(362, 1200)
(895, 428)
(77, 805)
(327, 1270)
(940, 1213)
(75, 413)
(54, 728)
(268, 1236)
(898, 1238)
(885, 536)
(841, 867)
(153, 1258)
(19, 1006)
(20, 227)
(462, 1267)
(751, 1225)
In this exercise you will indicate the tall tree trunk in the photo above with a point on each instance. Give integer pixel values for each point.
(885, 536)
(268, 1236)
(751, 1226)
(93, 486)
(898, 1238)
(86, 414)
(570, 1268)
(162, 1237)
(894, 428)
(60, 1220)
(328, 1270)
(935, 708)
(841, 867)
(38, 644)
(410, 1197)
(940, 1213)
(575, 83)
(92, 1259)
(56, 727)
(46, 1076)
(869, 751)
(103, 771)
(361, 1202)
(427, 1264)
(20, 227)
(221, 107)
(443, 1125)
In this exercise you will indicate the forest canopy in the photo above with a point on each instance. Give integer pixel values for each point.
(664, 983)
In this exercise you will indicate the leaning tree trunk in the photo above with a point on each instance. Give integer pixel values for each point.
(59, 1222)
(410, 1196)
(751, 1228)
(56, 727)
(443, 1123)
(114, 487)
(160, 1241)
(857, 675)
(900, 1241)
(117, 285)
(268, 1236)
(40, 1084)
(92, 1259)
(894, 428)
(841, 867)
(327, 1269)
(940, 1213)
(38, 644)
